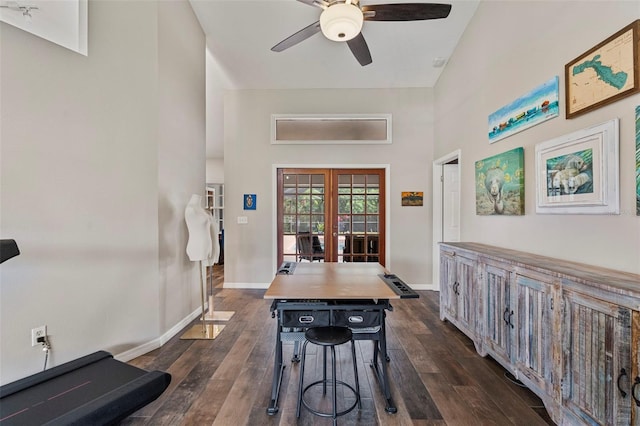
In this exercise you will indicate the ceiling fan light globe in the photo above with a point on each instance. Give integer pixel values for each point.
(341, 22)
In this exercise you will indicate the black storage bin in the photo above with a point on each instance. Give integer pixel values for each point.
(357, 319)
(306, 318)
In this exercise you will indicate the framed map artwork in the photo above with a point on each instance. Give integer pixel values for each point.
(604, 74)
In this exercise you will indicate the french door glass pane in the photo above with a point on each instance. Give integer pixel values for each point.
(304, 223)
(373, 204)
(372, 223)
(358, 204)
(303, 219)
(318, 223)
(317, 203)
(289, 204)
(359, 209)
(289, 222)
(317, 183)
(304, 183)
(344, 204)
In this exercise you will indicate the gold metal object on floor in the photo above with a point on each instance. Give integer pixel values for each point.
(212, 315)
(202, 332)
(219, 315)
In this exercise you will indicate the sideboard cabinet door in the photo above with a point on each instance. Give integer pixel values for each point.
(596, 345)
(458, 300)
(448, 276)
(499, 313)
(537, 358)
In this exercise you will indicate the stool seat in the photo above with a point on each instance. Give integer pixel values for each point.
(328, 336)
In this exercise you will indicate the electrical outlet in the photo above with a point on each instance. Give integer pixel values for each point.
(37, 333)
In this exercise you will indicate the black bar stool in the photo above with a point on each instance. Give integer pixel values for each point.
(331, 337)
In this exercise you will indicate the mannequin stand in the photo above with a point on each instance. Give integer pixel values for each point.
(212, 315)
(202, 331)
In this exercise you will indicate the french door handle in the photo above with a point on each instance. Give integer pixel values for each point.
(335, 234)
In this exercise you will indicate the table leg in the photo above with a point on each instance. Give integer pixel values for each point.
(278, 369)
(379, 364)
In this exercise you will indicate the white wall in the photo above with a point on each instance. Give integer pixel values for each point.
(248, 168)
(499, 60)
(215, 170)
(181, 153)
(85, 184)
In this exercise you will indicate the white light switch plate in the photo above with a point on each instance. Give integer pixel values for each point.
(243, 220)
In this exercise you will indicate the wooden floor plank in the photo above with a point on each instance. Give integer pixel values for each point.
(437, 378)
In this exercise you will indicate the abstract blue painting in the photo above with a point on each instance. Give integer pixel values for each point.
(541, 104)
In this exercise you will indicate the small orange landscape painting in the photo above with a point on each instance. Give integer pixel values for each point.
(412, 198)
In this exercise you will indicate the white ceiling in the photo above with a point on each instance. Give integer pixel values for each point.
(240, 34)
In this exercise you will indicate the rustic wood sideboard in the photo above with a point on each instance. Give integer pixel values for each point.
(569, 331)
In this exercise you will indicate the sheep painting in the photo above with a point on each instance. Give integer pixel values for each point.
(500, 184)
(570, 174)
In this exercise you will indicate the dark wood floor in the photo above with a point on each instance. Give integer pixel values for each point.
(437, 377)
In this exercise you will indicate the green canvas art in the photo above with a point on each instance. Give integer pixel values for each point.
(500, 184)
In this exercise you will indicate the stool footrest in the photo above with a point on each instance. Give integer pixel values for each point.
(325, 414)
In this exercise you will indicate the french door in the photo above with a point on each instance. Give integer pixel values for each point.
(331, 215)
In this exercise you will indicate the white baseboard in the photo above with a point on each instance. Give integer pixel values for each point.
(424, 287)
(253, 286)
(159, 341)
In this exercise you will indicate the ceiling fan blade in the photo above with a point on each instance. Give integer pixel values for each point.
(316, 3)
(296, 38)
(360, 50)
(405, 11)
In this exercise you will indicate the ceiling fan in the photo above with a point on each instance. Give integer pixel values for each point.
(341, 21)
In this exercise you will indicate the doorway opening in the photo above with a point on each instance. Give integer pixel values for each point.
(446, 206)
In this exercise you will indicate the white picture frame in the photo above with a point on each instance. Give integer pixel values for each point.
(64, 23)
(578, 173)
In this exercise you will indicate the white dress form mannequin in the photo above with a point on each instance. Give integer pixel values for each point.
(212, 260)
(199, 223)
(203, 247)
(199, 249)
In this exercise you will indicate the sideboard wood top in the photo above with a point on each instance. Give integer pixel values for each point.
(609, 279)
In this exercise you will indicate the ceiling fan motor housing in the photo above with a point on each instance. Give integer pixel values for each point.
(341, 21)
